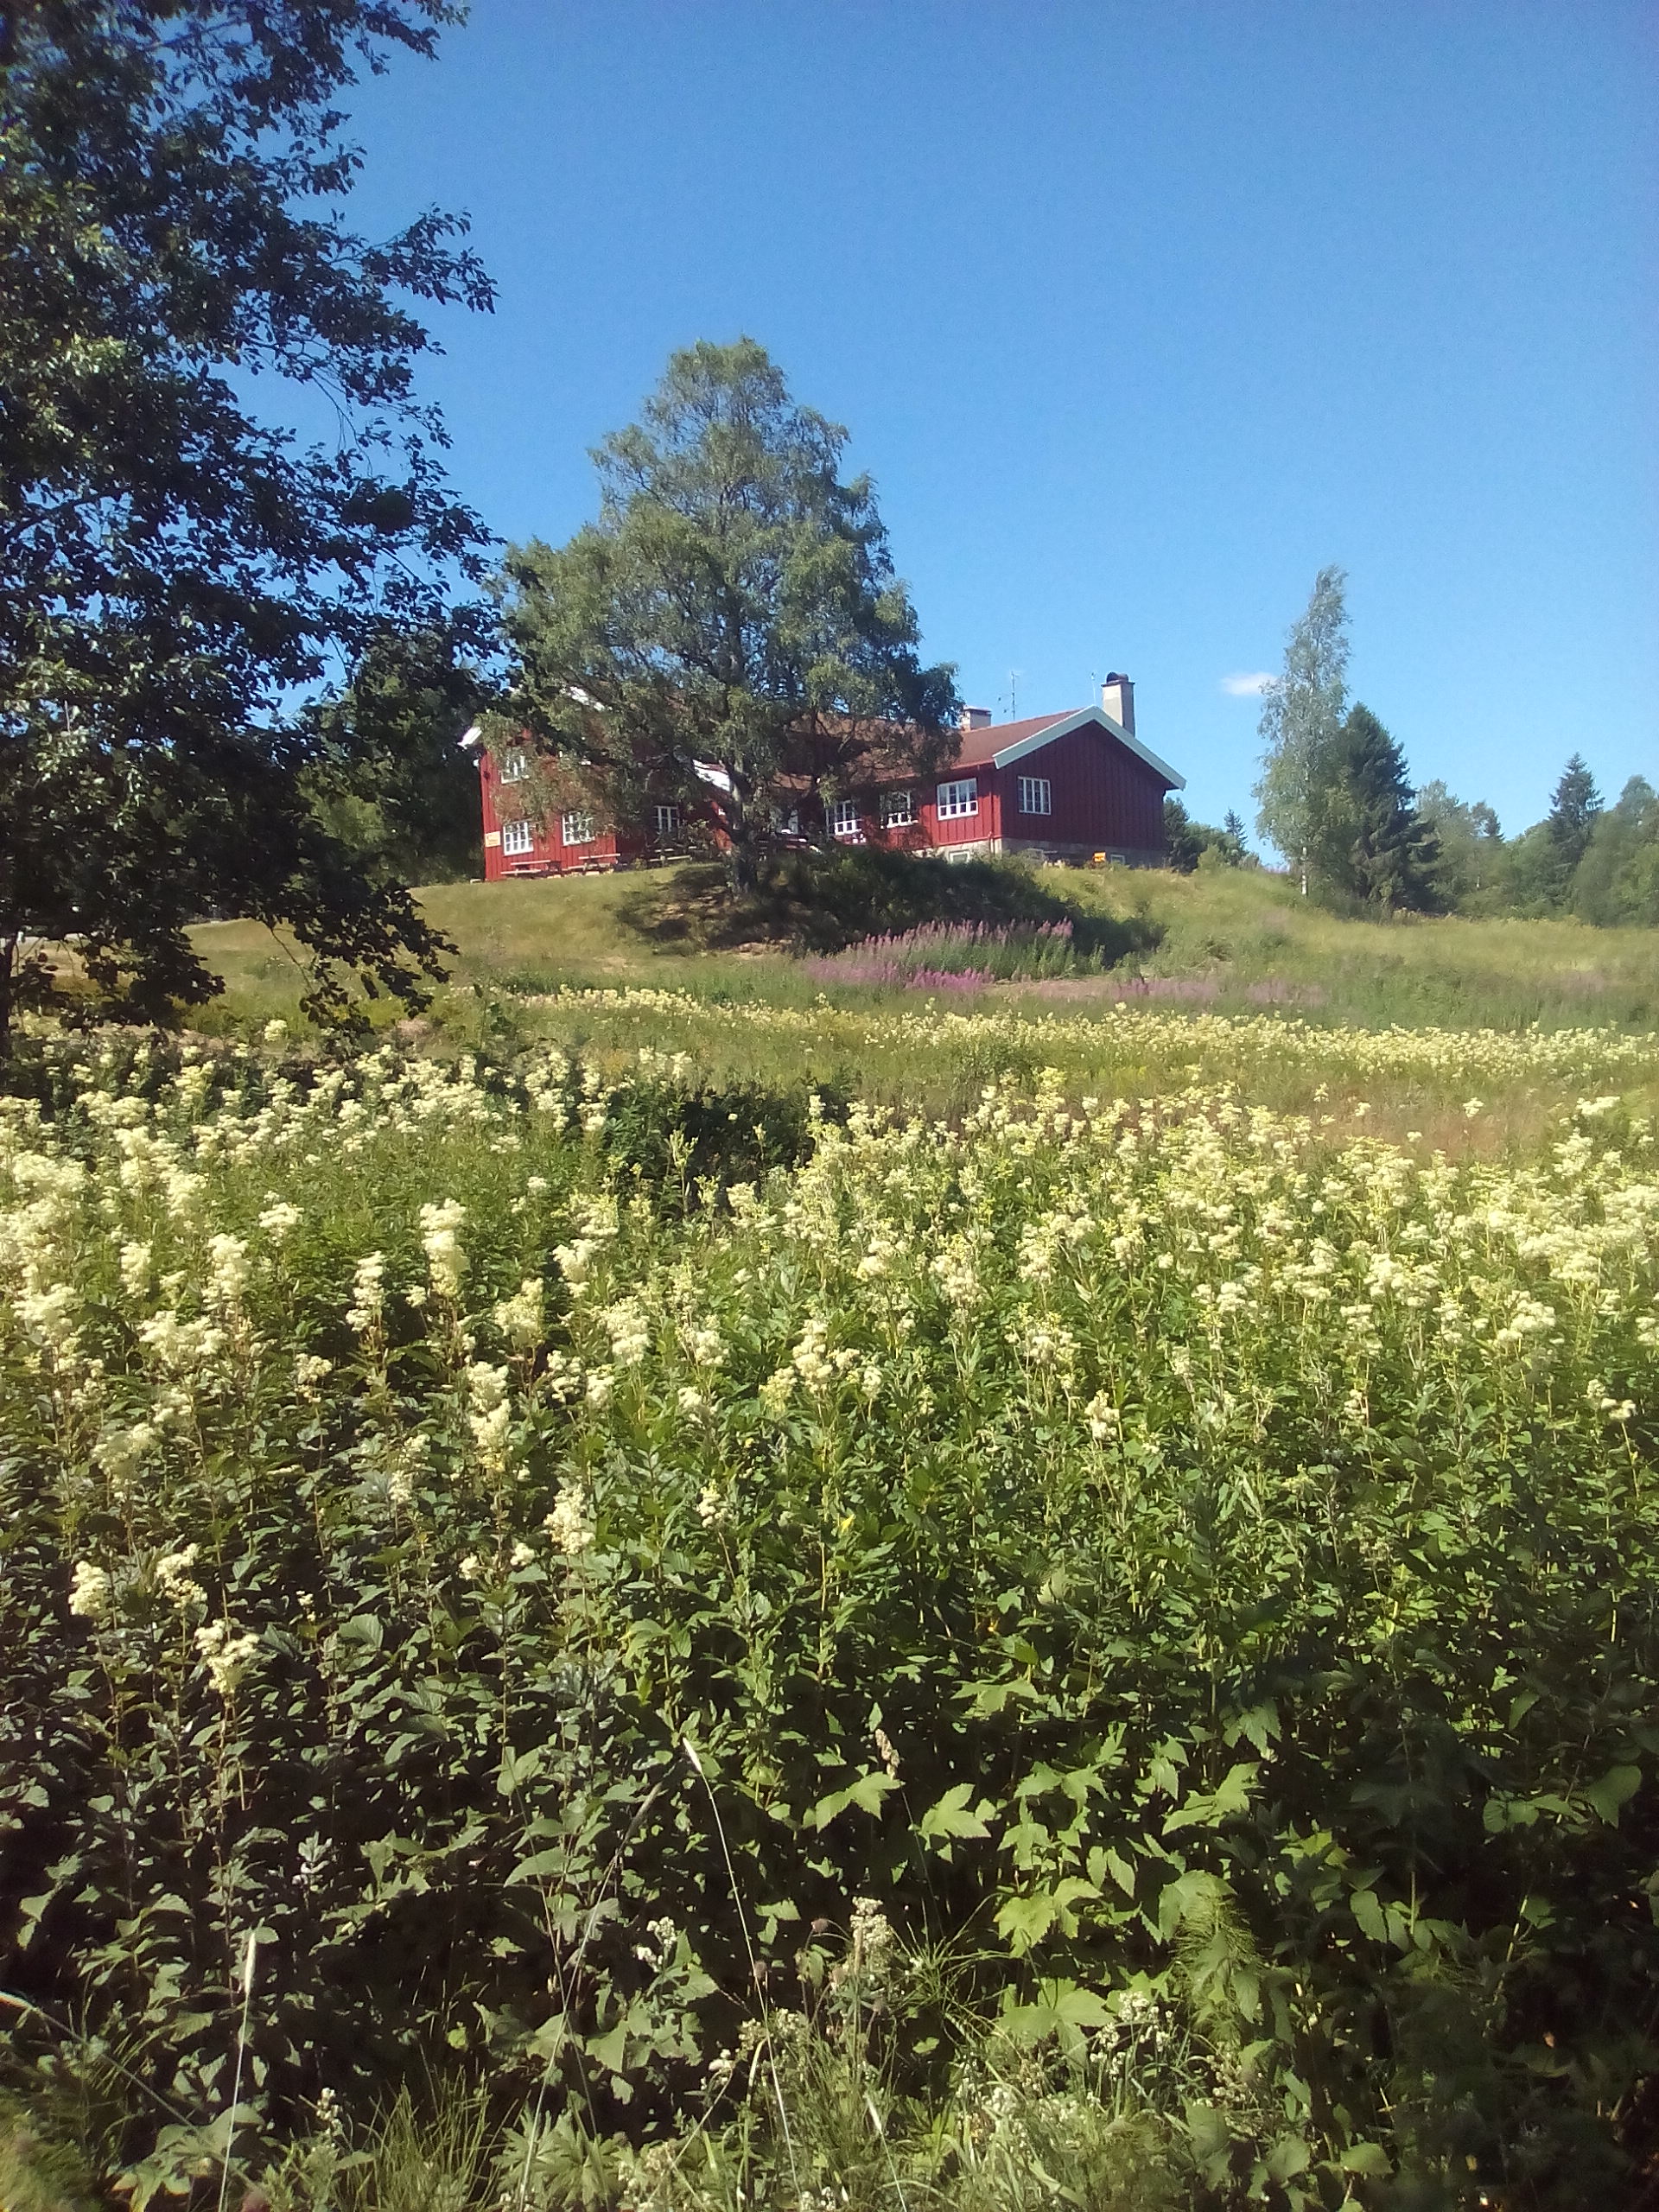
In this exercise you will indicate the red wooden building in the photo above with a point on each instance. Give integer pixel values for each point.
(1077, 785)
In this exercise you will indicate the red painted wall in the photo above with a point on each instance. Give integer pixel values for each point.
(548, 854)
(1102, 794)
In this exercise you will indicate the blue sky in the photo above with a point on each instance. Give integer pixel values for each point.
(1137, 313)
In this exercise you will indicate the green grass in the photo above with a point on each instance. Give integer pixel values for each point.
(1243, 936)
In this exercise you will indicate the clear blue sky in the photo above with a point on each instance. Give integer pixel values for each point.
(1138, 311)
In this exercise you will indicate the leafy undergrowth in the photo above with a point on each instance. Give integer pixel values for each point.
(663, 1647)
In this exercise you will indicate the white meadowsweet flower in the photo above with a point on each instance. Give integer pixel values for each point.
(368, 1304)
(225, 1655)
(522, 1319)
(568, 1524)
(440, 1227)
(90, 1591)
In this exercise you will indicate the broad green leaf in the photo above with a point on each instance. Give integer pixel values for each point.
(1025, 1921)
(1614, 1791)
(950, 1816)
(1366, 2158)
(1231, 1796)
(866, 1793)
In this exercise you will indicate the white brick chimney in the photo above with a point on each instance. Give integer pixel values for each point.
(1117, 697)
(976, 718)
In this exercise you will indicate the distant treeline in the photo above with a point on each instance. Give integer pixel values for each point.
(1335, 798)
(1388, 848)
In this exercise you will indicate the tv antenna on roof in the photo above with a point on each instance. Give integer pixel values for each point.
(1013, 695)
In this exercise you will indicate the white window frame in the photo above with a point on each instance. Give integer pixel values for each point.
(1036, 795)
(517, 838)
(956, 799)
(668, 818)
(844, 817)
(515, 764)
(576, 827)
(786, 824)
(897, 810)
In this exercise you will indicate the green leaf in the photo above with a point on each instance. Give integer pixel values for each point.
(1231, 1796)
(1121, 1872)
(950, 1816)
(866, 1793)
(610, 2049)
(1025, 1920)
(1062, 2008)
(1289, 2155)
(1369, 1914)
(1615, 1790)
(1366, 2158)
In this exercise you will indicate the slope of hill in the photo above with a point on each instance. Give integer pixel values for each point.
(1230, 938)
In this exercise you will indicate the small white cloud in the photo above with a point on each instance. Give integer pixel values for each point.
(1248, 687)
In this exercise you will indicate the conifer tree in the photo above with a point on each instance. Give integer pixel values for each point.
(1572, 812)
(1373, 844)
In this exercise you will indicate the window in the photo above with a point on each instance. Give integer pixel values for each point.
(577, 829)
(667, 820)
(515, 765)
(517, 837)
(897, 810)
(959, 798)
(786, 823)
(1036, 795)
(844, 817)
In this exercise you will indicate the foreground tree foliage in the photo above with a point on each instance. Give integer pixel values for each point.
(733, 610)
(171, 572)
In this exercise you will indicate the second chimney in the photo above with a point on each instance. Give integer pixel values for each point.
(1117, 697)
(976, 718)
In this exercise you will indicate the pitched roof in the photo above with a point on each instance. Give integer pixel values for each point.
(981, 746)
(1000, 743)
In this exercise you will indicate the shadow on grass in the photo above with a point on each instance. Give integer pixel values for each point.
(822, 902)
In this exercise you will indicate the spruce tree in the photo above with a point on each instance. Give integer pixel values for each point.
(1572, 812)
(1373, 845)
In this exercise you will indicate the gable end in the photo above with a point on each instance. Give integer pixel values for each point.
(1085, 717)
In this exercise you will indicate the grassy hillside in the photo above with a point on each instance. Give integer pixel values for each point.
(1233, 939)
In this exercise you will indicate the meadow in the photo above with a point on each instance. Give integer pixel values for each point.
(676, 1598)
(1233, 939)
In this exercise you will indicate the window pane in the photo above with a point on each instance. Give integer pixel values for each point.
(517, 837)
(578, 828)
(959, 797)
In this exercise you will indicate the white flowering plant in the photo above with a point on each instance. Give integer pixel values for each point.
(1164, 1544)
